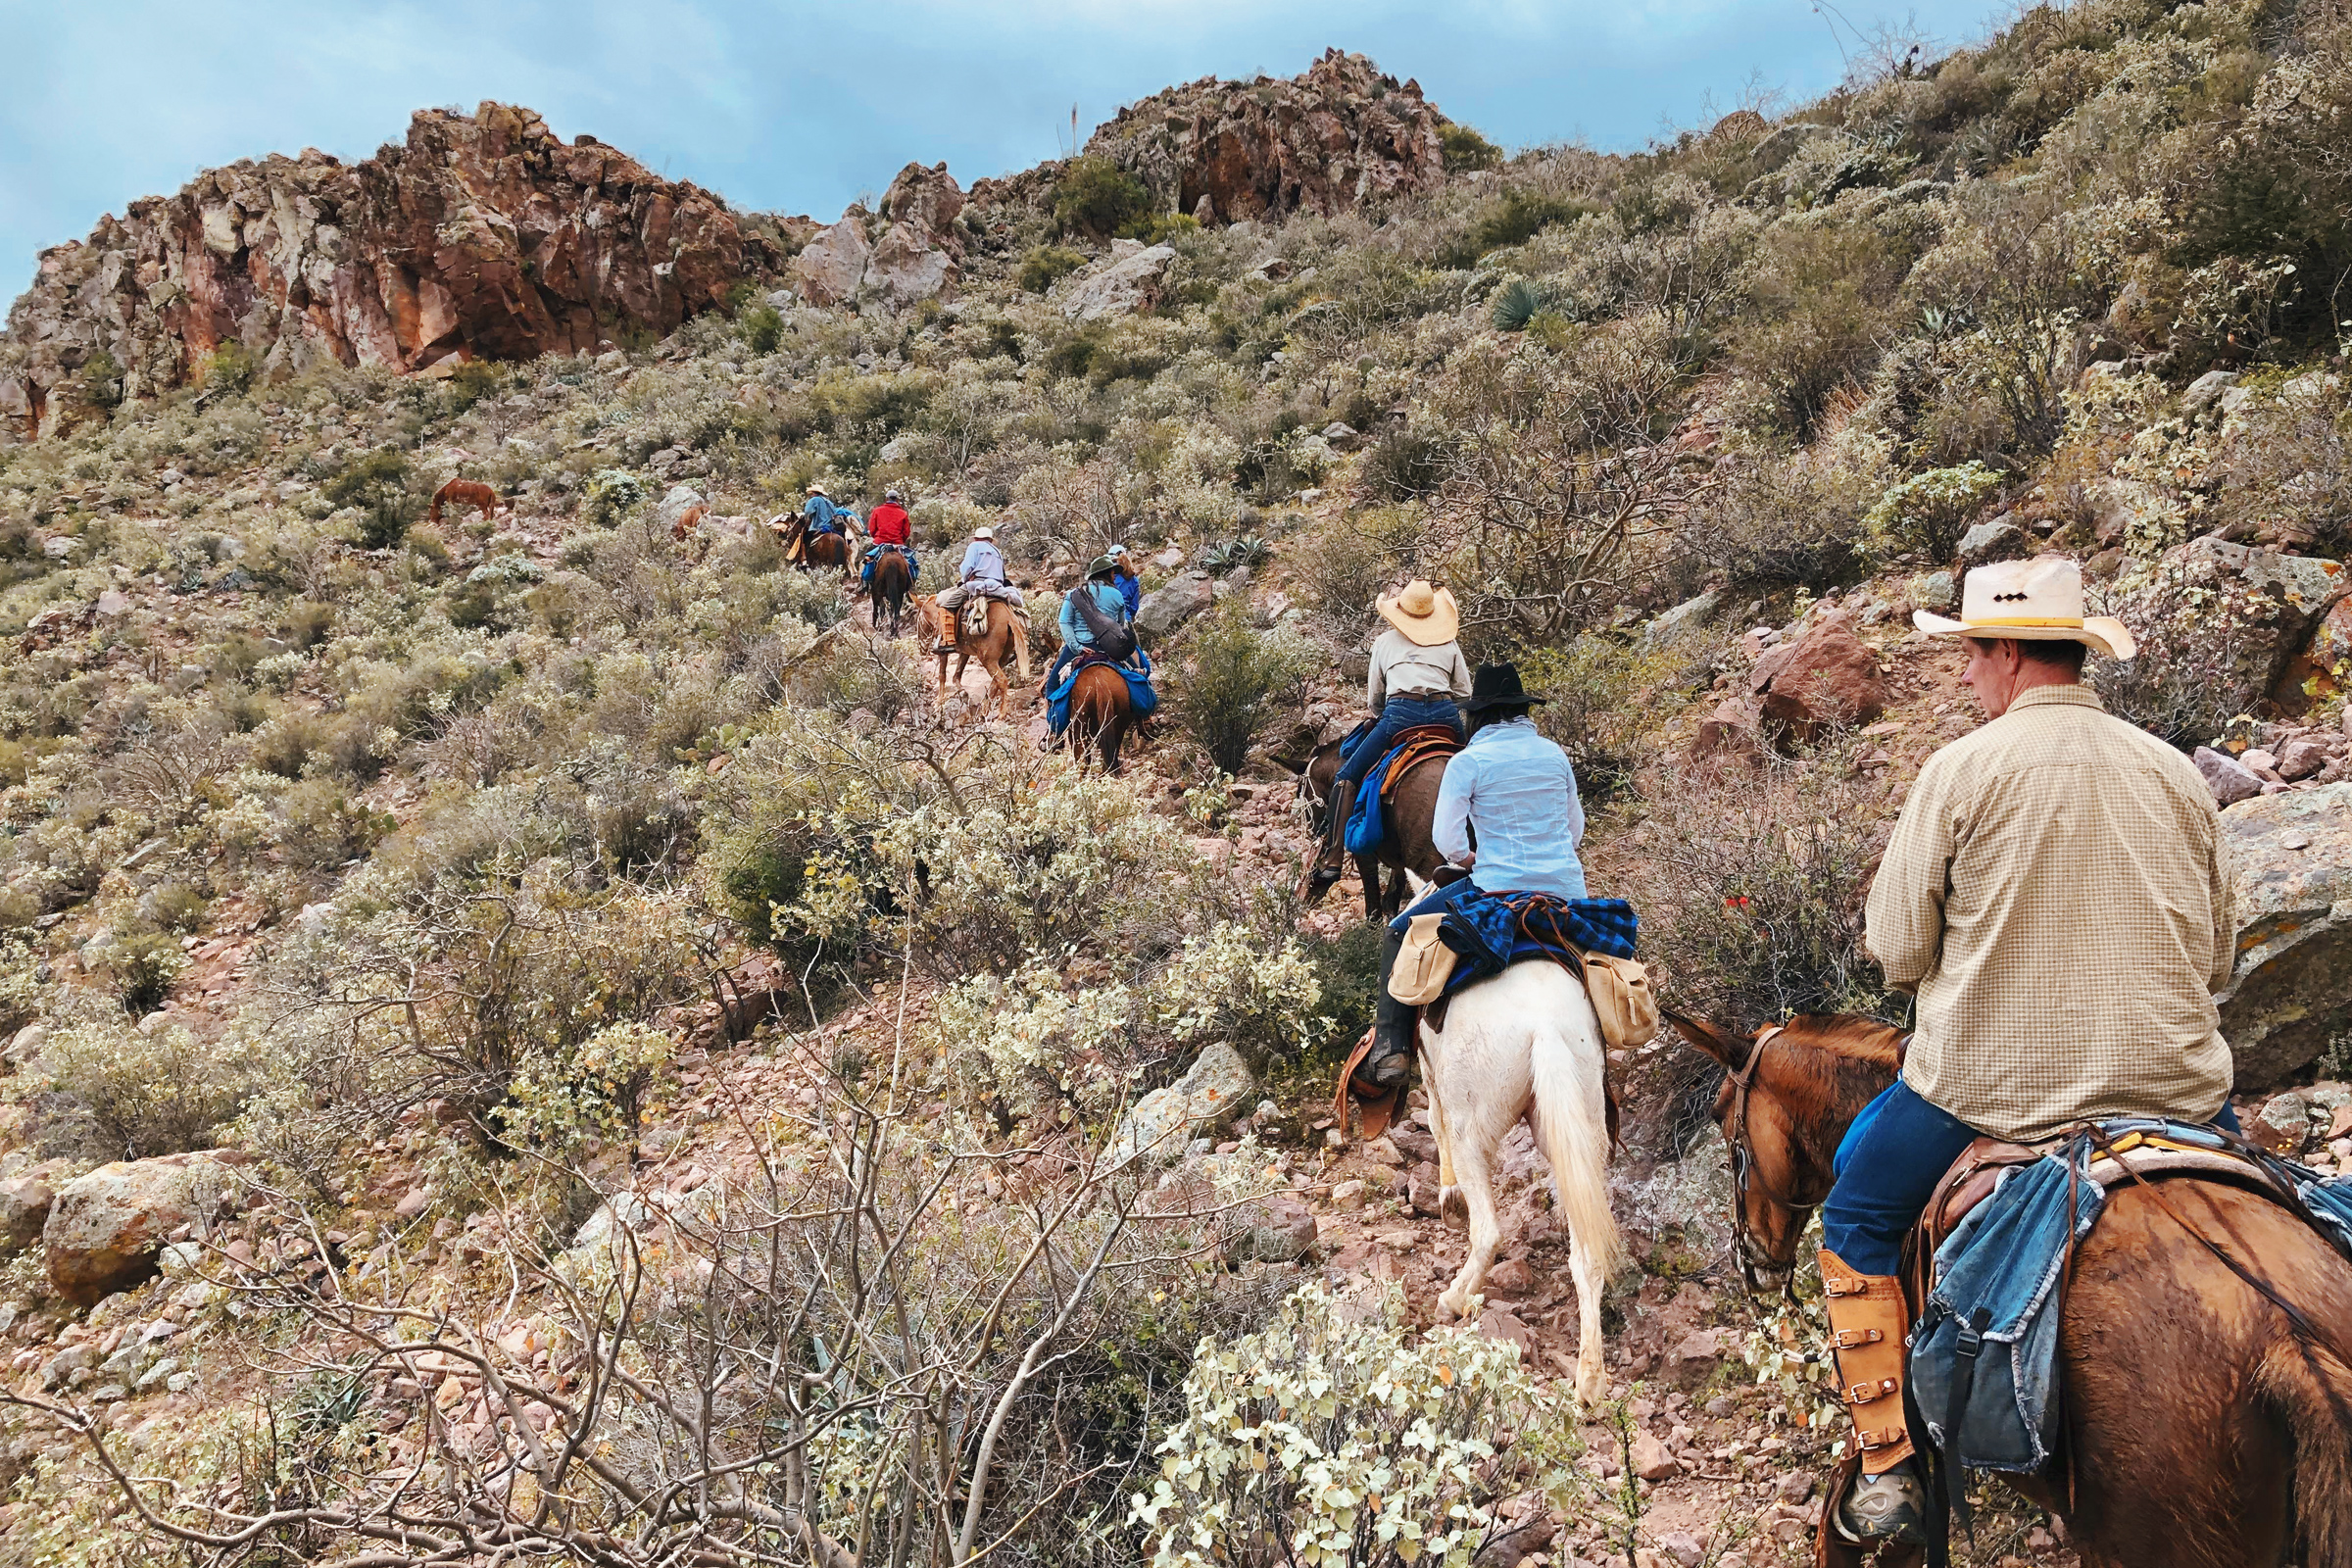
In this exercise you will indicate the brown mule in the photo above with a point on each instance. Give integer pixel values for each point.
(1412, 807)
(2202, 1429)
(889, 584)
(1101, 710)
(1007, 635)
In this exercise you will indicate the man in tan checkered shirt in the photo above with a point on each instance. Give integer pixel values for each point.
(2056, 896)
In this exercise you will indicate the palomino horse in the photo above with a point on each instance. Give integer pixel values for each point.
(1412, 806)
(1007, 633)
(2206, 1429)
(467, 493)
(889, 584)
(1101, 710)
(1527, 1043)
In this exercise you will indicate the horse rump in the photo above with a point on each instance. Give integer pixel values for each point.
(2308, 1391)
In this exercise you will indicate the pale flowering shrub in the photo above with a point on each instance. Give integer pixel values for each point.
(120, 1092)
(562, 1093)
(1225, 985)
(1328, 1439)
(1024, 1040)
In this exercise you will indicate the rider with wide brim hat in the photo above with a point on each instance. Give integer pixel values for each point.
(2054, 896)
(1417, 674)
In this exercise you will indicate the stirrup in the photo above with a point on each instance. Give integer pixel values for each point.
(1378, 1074)
(1893, 1506)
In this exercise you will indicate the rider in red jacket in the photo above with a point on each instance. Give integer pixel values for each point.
(887, 525)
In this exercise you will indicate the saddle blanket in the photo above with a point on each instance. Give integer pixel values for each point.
(2005, 1259)
(1142, 700)
(1488, 932)
(1367, 818)
(874, 552)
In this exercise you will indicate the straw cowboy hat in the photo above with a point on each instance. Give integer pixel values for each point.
(2034, 601)
(817, 489)
(1426, 616)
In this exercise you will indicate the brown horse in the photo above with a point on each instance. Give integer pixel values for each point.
(1101, 712)
(2204, 1430)
(1007, 634)
(1412, 806)
(467, 493)
(827, 552)
(889, 584)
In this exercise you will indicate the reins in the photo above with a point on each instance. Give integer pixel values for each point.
(1743, 1164)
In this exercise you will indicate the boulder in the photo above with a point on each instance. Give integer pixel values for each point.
(2301, 757)
(1997, 539)
(2324, 667)
(829, 269)
(905, 267)
(1159, 1125)
(105, 1229)
(24, 1204)
(479, 236)
(2232, 619)
(1342, 136)
(1823, 680)
(1688, 615)
(926, 200)
(1119, 288)
(1166, 609)
(2230, 779)
(679, 501)
(2290, 994)
(1278, 1229)
(2206, 390)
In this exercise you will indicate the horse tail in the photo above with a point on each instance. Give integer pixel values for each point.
(1573, 1121)
(2308, 1389)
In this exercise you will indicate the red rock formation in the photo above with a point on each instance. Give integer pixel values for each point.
(1338, 136)
(481, 235)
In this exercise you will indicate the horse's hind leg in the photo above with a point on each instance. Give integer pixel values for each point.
(1472, 1168)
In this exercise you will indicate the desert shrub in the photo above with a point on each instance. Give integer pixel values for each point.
(610, 495)
(1600, 697)
(1782, 521)
(382, 485)
(139, 964)
(1336, 1436)
(1924, 518)
(566, 1091)
(1464, 150)
(118, 1092)
(469, 383)
(1346, 568)
(229, 369)
(1159, 228)
(2289, 468)
(1096, 196)
(1517, 216)
(1517, 303)
(1236, 679)
(763, 328)
(2209, 649)
(1406, 464)
(1756, 876)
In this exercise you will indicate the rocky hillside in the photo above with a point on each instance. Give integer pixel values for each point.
(480, 236)
(544, 1031)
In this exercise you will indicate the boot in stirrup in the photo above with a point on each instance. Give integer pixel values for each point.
(1390, 1058)
(1868, 1321)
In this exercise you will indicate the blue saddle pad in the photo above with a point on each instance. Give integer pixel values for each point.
(1142, 700)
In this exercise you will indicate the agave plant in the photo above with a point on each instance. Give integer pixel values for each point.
(1249, 550)
(1516, 304)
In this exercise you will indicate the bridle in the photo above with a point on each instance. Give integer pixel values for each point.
(1744, 1173)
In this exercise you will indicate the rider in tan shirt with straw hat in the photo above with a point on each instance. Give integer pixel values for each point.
(1417, 676)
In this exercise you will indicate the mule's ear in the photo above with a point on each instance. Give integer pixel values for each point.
(1716, 1041)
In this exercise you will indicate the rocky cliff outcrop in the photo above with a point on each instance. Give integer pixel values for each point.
(481, 235)
(1335, 139)
(909, 251)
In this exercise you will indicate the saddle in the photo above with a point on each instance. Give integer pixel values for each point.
(1411, 749)
(974, 616)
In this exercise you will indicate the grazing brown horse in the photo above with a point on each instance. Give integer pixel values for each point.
(467, 493)
(1101, 712)
(2204, 1429)
(687, 522)
(1412, 806)
(1007, 634)
(892, 581)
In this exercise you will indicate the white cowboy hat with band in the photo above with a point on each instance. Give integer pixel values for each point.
(984, 531)
(2033, 601)
(1426, 616)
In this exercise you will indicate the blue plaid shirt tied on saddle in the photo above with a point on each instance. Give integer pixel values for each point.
(1524, 896)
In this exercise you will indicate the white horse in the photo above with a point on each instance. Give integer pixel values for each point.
(1527, 1043)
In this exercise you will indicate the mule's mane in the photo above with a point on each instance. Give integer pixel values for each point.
(1824, 1068)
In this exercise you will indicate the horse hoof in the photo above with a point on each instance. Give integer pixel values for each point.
(1592, 1385)
(1454, 1208)
(1454, 1303)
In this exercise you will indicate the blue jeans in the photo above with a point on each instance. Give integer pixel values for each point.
(1399, 716)
(1888, 1166)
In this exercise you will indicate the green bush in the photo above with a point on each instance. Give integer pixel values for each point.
(763, 328)
(1235, 680)
(1096, 196)
(1160, 227)
(1517, 303)
(469, 383)
(611, 494)
(1516, 218)
(1923, 516)
(1464, 150)
(381, 485)
(229, 369)
(1048, 265)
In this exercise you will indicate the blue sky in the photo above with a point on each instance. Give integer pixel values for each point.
(804, 107)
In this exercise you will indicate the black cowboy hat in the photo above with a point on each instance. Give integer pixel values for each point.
(1497, 686)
